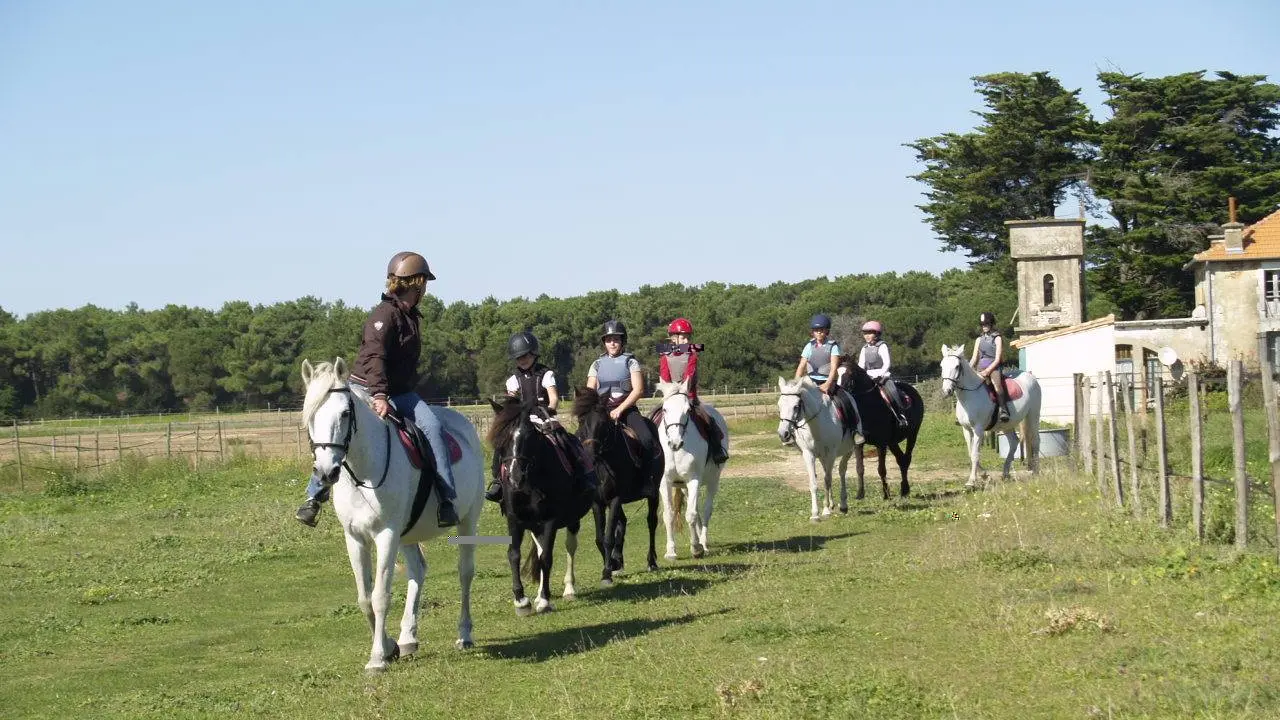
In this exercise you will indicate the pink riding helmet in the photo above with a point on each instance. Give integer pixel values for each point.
(872, 326)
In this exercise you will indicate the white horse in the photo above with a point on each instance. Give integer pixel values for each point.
(374, 485)
(688, 468)
(809, 416)
(975, 411)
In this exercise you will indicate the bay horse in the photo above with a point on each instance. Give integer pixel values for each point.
(622, 479)
(687, 467)
(540, 495)
(880, 427)
(976, 410)
(809, 416)
(375, 485)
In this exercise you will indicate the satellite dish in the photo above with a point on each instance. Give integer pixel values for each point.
(1167, 356)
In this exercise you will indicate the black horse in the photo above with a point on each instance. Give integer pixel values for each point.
(622, 479)
(540, 494)
(880, 427)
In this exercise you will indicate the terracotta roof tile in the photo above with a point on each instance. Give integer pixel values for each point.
(1261, 242)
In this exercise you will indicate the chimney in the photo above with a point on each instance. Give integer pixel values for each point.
(1232, 232)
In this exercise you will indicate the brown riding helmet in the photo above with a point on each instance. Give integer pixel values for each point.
(407, 264)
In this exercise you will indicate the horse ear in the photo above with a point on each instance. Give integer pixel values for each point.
(497, 407)
(307, 371)
(340, 367)
(945, 350)
(782, 384)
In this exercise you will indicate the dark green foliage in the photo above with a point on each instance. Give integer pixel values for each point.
(94, 361)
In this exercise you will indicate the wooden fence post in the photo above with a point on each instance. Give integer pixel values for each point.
(1114, 440)
(1197, 456)
(1085, 431)
(1162, 451)
(168, 440)
(1235, 371)
(1100, 463)
(197, 458)
(77, 453)
(119, 446)
(97, 449)
(1273, 427)
(1134, 498)
(1077, 456)
(221, 453)
(298, 439)
(53, 449)
(17, 448)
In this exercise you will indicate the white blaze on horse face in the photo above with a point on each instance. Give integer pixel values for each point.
(329, 425)
(786, 413)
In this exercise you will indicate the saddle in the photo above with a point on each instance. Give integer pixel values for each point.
(846, 410)
(424, 460)
(1012, 389)
(635, 449)
(566, 446)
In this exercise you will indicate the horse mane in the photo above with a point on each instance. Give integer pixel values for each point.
(507, 417)
(585, 401)
(323, 379)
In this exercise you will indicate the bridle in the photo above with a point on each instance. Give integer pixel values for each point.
(345, 445)
(796, 424)
(683, 424)
(507, 467)
(955, 379)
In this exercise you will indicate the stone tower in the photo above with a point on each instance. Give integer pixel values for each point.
(1049, 257)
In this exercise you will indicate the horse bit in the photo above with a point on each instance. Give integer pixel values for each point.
(797, 424)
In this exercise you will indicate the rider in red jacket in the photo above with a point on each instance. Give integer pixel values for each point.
(677, 361)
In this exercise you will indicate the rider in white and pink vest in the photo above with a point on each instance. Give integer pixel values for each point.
(874, 358)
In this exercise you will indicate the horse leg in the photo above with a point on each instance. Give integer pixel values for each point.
(1012, 438)
(384, 648)
(1031, 431)
(810, 464)
(415, 569)
(844, 485)
(608, 547)
(546, 542)
(653, 533)
(466, 575)
(973, 439)
(712, 482)
(358, 552)
(571, 550)
(692, 516)
(884, 473)
(860, 464)
(904, 462)
(599, 512)
(617, 553)
(668, 491)
(523, 606)
(827, 499)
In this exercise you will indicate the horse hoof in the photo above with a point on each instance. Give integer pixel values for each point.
(463, 644)
(653, 567)
(375, 668)
(669, 556)
(543, 607)
(569, 595)
(699, 551)
(524, 611)
(606, 584)
(407, 649)
(844, 509)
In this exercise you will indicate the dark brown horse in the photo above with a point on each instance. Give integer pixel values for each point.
(880, 427)
(624, 476)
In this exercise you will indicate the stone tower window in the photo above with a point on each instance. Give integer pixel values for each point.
(1050, 298)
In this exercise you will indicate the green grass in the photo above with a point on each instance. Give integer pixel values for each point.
(154, 592)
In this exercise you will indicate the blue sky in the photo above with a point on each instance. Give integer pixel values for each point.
(198, 153)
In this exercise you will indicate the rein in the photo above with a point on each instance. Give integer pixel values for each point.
(684, 424)
(345, 445)
(956, 381)
(797, 424)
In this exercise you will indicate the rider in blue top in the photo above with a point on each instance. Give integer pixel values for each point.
(820, 360)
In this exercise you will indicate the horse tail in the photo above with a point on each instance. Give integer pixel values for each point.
(677, 503)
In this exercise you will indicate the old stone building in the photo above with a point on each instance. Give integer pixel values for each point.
(1237, 311)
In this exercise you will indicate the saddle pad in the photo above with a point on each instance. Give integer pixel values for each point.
(1014, 389)
(415, 458)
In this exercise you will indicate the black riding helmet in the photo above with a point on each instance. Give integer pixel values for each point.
(987, 318)
(614, 327)
(523, 343)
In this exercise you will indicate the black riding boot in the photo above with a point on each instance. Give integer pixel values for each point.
(494, 493)
(309, 513)
(1003, 394)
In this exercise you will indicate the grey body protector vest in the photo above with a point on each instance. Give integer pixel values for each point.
(530, 382)
(677, 364)
(871, 359)
(612, 377)
(987, 349)
(820, 359)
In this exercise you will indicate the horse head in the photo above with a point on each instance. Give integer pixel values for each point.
(675, 412)
(796, 403)
(512, 436)
(329, 414)
(952, 358)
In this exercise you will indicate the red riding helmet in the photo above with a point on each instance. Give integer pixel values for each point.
(680, 326)
(872, 326)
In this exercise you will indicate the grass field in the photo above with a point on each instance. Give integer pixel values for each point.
(156, 592)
